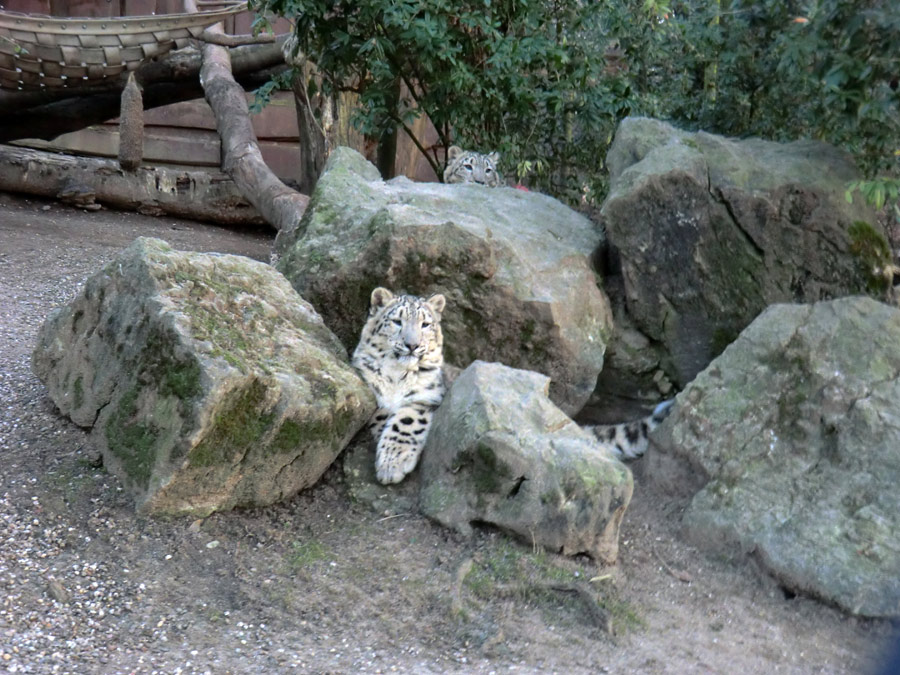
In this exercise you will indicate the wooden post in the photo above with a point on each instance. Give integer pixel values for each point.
(131, 126)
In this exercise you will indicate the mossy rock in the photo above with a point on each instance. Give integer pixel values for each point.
(514, 266)
(712, 230)
(793, 436)
(501, 453)
(209, 383)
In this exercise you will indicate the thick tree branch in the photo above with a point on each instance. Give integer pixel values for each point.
(234, 40)
(281, 206)
(409, 132)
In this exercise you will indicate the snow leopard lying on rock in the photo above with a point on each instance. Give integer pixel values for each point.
(400, 356)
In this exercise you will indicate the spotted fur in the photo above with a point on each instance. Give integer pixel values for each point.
(400, 356)
(628, 440)
(464, 166)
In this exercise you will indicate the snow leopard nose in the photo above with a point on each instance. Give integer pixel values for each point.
(412, 338)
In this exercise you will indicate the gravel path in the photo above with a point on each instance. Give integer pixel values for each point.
(320, 584)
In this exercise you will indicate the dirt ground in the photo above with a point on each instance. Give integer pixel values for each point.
(324, 583)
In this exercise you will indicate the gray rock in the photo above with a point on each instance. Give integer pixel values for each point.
(209, 383)
(363, 487)
(500, 452)
(712, 230)
(794, 435)
(513, 265)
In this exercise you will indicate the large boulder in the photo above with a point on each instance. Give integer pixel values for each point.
(500, 452)
(710, 231)
(209, 383)
(793, 436)
(515, 268)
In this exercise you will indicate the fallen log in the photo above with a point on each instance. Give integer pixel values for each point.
(197, 195)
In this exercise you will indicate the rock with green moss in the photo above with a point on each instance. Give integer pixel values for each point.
(500, 452)
(790, 444)
(208, 382)
(712, 230)
(515, 268)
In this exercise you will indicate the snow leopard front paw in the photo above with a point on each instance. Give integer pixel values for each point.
(394, 463)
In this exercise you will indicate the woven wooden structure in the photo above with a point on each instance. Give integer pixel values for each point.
(41, 52)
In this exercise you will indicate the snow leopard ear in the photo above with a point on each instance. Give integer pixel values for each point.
(381, 297)
(453, 152)
(494, 157)
(437, 303)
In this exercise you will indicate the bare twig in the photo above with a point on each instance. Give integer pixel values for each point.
(678, 574)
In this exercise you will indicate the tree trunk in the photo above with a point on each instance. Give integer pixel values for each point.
(197, 195)
(313, 141)
(387, 143)
(324, 123)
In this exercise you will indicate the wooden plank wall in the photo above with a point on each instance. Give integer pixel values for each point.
(184, 135)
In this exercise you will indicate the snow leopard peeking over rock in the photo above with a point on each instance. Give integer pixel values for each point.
(465, 166)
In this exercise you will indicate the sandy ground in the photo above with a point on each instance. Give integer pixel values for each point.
(324, 583)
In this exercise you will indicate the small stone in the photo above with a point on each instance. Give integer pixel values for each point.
(56, 591)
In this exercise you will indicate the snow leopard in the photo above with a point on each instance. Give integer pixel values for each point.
(629, 440)
(464, 166)
(400, 356)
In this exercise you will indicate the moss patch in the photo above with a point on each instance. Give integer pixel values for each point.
(241, 423)
(289, 436)
(540, 579)
(179, 377)
(78, 392)
(306, 553)
(488, 473)
(131, 441)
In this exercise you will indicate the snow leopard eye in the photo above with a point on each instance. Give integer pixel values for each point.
(397, 322)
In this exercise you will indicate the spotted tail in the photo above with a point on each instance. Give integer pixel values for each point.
(628, 440)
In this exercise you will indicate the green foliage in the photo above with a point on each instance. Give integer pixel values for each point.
(778, 69)
(263, 95)
(547, 82)
(873, 253)
(526, 78)
(876, 192)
